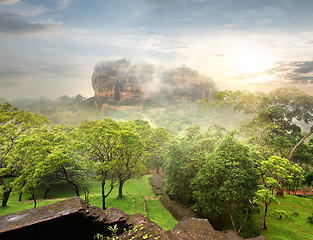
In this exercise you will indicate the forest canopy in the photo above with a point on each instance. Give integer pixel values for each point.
(232, 155)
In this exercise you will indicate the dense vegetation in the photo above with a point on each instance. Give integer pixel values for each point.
(233, 156)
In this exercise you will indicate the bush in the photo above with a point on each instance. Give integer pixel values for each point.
(308, 178)
(310, 218)
(279, 213)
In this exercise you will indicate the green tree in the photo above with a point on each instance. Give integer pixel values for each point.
(14, 124)
(308, 178)
(101, 141)
(158, 148)
(297, 176)
(263, 199)
(227, 179)
(276, 118)
(48, 154)
(130, 157)
(155, 141)
(185, 157)
(282, 171)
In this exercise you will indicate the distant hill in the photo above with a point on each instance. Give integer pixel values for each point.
(126, 83)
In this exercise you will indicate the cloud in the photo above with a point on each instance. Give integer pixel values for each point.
(12, 23)
(176, 48)
(13, 72)
(13, 68)
(200, 1)
(9, 2)
(63, 4)
(303, 67)
(176, 20)
(293, 71)
(217, 55)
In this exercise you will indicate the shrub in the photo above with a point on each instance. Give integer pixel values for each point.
(310, 218)
(279, 213)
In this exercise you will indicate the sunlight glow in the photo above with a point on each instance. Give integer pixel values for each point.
(251, 62)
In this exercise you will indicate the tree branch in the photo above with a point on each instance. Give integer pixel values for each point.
(301, 141)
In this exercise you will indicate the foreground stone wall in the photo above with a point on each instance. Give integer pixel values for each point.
(75, 219)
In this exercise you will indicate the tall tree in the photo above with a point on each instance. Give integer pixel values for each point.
(282, 171)
(155, 141)
(227, 179)
(14, 124)
(158, 148)
(101, 141)
(130, 157)
(48, 154)
(185, 158)
(276, 118)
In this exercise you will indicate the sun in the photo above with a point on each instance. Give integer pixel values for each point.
(253, 63)
(247, 61)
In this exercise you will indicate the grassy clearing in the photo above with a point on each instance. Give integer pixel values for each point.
(157, 213)
(133, 201)
(294, 224)
(16, 206)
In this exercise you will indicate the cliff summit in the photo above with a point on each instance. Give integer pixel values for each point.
(125, 83)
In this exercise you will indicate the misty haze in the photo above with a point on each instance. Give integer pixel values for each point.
(181, 119)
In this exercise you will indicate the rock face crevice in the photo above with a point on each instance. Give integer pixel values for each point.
(126, 83)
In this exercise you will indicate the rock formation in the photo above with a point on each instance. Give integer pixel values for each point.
(75, 219)
(125, 83)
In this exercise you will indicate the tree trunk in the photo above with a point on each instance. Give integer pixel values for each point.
(34, 198)
(265, 215)
(296, 187)
(86, 193)
(6, 196)
(280, 192)
(231, 218)
(21, 193)
(46, 193)
(20, 196)
(103, 195)
(76, 189)
(68, 179)
(246, 218)
(301, 141)
(74, 186)
(120, 189)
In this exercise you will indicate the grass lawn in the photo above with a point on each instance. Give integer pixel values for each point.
(135, 191)
(294, 224)
(158, 214)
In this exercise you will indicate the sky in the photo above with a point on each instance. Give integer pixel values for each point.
(49, 47)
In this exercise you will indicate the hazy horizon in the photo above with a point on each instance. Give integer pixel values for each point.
(49, 48)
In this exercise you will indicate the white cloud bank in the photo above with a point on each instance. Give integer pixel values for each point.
(9, 2)
(12, 23)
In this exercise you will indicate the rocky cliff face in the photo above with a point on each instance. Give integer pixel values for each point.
(126, 83)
